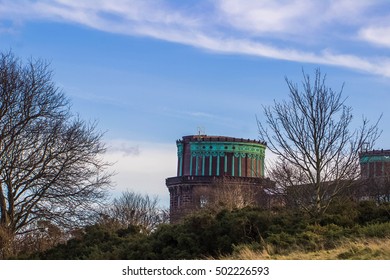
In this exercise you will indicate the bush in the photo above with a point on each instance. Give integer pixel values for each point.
(380, 230)
(370, 212)
(205, 234)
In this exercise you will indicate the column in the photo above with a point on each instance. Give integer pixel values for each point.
(233, 165)
(180, 166)
(218, 163)
(226, 165)
(210, 164)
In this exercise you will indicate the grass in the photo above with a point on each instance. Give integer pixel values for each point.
(361, 249)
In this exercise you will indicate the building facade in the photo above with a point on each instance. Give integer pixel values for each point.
(375, 163)
(374, 183)
(229, 171)
(209, 167)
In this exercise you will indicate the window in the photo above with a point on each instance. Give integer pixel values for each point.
(203, 201)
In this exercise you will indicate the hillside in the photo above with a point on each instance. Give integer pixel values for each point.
(349, 230)
(361, 249)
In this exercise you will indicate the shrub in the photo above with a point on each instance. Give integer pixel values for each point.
(380, 230)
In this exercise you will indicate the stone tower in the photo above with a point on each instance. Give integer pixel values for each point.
(206, 164)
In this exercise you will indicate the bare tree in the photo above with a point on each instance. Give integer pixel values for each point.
(289, 180)
(135, 209)
(51, 166)
(228, 193)
(312, 137)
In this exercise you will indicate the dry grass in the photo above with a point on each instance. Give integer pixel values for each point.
(367, 249)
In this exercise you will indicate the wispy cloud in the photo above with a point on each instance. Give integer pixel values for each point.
(124, 148)
(264, 17)
(298, 30)
(142, 166)
(376, 35)
(201, 115)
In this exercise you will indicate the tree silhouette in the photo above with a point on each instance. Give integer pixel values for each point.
(51, 167)
(312, 137)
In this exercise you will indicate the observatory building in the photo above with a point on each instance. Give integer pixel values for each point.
(224, 171)
(374, 164)
(374, 183)
(207, 164)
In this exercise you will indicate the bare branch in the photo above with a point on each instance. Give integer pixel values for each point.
(135, 209)
(51, 166)
(310, 133)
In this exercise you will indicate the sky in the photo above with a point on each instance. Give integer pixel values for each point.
(152, 71)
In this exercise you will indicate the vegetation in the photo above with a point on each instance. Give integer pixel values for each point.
(51, 172)
(318, 151)
(344, 233)
(135, 209)
(354, 249)
(53, 184)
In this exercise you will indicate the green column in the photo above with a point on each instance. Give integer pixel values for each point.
(210, 164)
(180, 166)
(218, 162)
(225, 167)
(233, 165)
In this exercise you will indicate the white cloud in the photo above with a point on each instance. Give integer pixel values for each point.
(376, 35)
(202, 115)
(265, 16)
(347, 12)
(124, 148)
(256, 28)
(142, 166)
(276, 18)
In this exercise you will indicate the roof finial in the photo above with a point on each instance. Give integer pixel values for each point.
(201, 131)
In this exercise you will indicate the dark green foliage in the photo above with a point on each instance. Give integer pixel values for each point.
(205, 234)
(381, 230)
(289, 221)
(370, 212)
(98, 242)
(342, 212)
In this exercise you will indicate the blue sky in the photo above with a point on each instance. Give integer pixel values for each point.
(152, 71)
